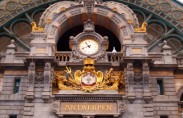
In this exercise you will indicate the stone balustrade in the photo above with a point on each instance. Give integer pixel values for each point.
(62, 57)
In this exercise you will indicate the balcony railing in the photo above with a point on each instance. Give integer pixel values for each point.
(63, 57)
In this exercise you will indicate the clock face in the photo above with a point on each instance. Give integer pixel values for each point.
(88, 46)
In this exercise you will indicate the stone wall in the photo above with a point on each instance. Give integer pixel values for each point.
(1, 81)
(10, 103)
(165, 104)
(11, 107)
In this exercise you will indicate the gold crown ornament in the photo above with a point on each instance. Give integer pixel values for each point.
(88, 61)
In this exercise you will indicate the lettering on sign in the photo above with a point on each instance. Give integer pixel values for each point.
(89, 107)
(137, 50)
(40, 50)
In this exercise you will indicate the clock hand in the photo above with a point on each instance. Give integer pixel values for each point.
(84, 47)
(89, 46)
(86, 43)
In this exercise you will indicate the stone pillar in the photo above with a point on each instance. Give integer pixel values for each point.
(167, 52)
(10, 57)
(47, 79)
(147, 95)
(130, 80)
(31, 76)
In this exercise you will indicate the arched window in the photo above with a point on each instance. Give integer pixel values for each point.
(181, 98)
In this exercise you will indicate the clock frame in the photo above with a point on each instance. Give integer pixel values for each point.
(88, 33)
(89, 45)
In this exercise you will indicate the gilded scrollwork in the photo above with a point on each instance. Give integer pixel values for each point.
(88, 79)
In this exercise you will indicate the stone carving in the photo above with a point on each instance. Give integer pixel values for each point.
(47, 79)
(89, 5)
(121, 107)
(137, 77)
(55, 106)
(31, 76)
(39, 76)
(146, 76)
(47, 75)
(130, 80)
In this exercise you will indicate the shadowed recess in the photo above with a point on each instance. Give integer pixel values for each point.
(63, 43)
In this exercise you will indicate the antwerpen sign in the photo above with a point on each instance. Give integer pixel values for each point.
(89, 107)
(114, 108)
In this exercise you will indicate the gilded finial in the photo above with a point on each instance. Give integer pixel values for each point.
(48, 21)
(35, 28)
(143, 28)
(115, 9)
(62, 9)
(129, 21)
(88, 61)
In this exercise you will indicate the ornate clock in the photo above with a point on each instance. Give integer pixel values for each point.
(88, 43)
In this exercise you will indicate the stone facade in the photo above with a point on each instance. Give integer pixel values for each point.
(140, 97)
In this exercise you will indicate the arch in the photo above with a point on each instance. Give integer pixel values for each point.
(179, 93)
(18, 20)
(103, 16)
(158, 21)
(141, 13)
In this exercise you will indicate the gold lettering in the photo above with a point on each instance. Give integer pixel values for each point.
(84, 107)
(67, 107)
(73, 107)
(109, 107)
(95, 107)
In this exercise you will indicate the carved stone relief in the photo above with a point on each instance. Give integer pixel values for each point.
(146, 79)
(31, 76)
(130, 80)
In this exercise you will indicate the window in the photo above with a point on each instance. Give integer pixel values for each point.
(16, 85)
(163, 116)
(160, 87)
(13, 116)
